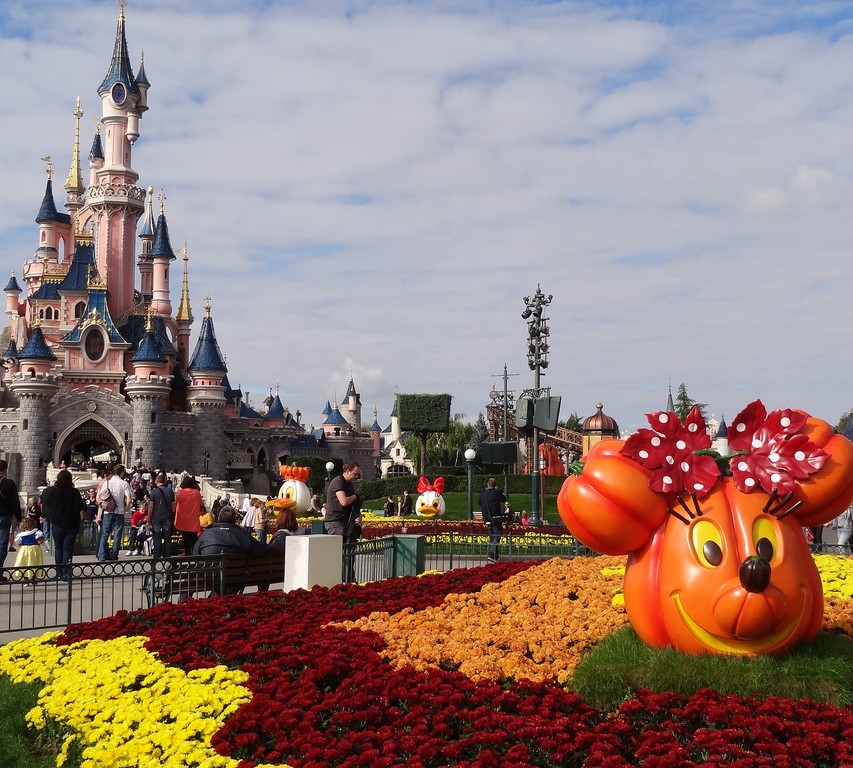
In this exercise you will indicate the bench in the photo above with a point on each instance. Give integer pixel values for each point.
(227, 574)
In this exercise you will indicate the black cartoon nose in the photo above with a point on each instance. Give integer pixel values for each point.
(754, 574)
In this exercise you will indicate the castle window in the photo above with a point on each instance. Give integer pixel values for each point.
(93, 345)
(79, 309)
(25, 424)
(48, 313)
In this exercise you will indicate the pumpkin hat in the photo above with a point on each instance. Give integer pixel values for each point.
(300, 474)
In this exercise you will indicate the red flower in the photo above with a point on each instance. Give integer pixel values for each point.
(668, 450)
(778, 456)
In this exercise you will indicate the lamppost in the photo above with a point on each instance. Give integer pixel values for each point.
(470, 455)
(330, 467)
(537, 361)
(206, 456)
(542, 465)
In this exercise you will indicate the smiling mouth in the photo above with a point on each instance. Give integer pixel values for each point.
(730, 645)
(427, 511)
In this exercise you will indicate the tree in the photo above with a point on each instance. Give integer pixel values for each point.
(684, 404)
(443, 449)
(573, 423)
(842, 423)
(424, 415)
(480, 434)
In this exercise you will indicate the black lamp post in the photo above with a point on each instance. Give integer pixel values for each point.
(537, 361)
(330, 467)
(206, 456)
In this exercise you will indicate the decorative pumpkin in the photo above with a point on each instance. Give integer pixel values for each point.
(294, 487)
(716, 563)
(430, 503)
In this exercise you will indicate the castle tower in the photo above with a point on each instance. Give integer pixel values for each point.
(351, 408)
(376, 433)
(114, 202)
(146, 235)
(206, 398)
(161, 256)
(34, 385)
(148, 390)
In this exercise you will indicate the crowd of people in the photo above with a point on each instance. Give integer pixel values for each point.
(161, 520)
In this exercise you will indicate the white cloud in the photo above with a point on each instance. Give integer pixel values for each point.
(370, 189)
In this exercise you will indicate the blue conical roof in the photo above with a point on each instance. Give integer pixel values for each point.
(47, 210)
(247, 412)
(375, 426)
(12, 285)
(328, 409)
(120, 70)
(77, 277)
(97, 150)
(207, 356)
(231, 394)
(36, 348)
(276, 409)
(162, 246)
(149, 350)
(11, 351)
(335, 418)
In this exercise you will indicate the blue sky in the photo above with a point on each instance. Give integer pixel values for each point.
(677, 174)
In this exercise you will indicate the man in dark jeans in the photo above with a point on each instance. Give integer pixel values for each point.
(492, 506)
(161, 514)
(10, 509)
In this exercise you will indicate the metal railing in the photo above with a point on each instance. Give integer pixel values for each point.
(445, 551)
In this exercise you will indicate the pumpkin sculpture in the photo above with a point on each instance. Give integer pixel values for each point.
(430, 503)
(717, 562)
(293, 492)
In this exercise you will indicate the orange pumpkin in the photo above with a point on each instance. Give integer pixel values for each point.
(300, 474)
(725, 572)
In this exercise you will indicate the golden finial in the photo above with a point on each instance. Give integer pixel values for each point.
(207, 304)
(149, 319)
(121, 5)
(49, 160)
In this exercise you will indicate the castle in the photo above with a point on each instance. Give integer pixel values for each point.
(95, 361)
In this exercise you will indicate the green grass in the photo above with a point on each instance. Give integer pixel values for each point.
(456, 505)
(612, 671)
(17, 749)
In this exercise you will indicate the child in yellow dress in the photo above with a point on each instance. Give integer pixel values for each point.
(28, 539)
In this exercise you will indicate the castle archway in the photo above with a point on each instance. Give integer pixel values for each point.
(88, 438)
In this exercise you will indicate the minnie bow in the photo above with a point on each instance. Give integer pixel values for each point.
(424, 485)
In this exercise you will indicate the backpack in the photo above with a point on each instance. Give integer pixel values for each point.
(106, 502)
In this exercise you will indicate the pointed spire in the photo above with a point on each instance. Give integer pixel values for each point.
(74, 182)
(120, 70)
(36, 348)
(670, 405)
(47, 211)
(148, 225)
(141, 78)
(162, 246)
(185, 313)
(97, 150)
(207, 356)
(12, 286)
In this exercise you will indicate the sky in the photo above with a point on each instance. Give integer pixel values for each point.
(371, 188)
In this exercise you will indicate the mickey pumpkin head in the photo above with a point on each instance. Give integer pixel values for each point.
(716, 564)
(430, 503)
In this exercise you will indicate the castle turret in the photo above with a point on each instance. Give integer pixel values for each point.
(146, 235)
(351, 408)
(376, 433)
(184, 318)
(148, 390)
(75, 189)
(35, 385)
(206, 397)
(161, 257)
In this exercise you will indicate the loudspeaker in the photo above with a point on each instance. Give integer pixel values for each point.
(499, 453)
(524, 415)
(546, 413)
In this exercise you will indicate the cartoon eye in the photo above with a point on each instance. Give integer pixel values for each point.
(707, 543)
(436, 504)
(764, 536)
(290, 492)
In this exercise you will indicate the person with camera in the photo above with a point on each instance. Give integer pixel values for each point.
(492, 506)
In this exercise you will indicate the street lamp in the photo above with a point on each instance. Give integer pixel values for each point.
(537, 361)
(542, 465)
(470, 455)
(330, 467)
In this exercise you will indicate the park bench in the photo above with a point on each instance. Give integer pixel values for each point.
(227, 574)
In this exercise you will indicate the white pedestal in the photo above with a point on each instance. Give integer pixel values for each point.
(312, 560)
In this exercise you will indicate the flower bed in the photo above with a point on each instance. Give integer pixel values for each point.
(456, 669)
